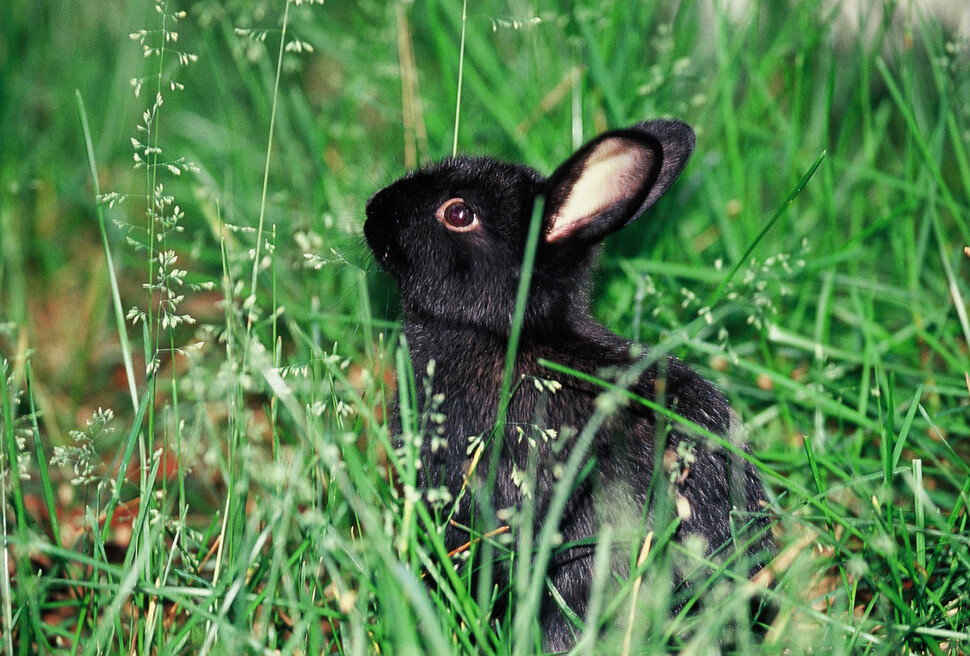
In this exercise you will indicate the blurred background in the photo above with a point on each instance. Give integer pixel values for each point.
(836, 322)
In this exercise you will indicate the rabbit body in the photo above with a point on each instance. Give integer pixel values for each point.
(453, 237)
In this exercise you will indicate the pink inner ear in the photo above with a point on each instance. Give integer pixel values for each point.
(613, 173)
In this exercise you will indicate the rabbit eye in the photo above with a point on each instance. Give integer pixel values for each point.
(456, 215)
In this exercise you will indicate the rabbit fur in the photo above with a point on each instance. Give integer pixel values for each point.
(453, 237)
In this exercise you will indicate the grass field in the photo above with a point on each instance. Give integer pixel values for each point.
(198, 352)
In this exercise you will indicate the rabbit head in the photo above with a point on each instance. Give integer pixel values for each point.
(453, 235)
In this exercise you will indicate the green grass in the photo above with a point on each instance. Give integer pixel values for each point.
(238, 498)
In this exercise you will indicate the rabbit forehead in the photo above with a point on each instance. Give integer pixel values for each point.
(494, 188)
(488, 181)
(500, 193)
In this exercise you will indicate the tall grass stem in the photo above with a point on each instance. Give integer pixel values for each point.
(461, 72)
(112, 274)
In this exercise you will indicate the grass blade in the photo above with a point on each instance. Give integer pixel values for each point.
(461, 72)
(129, 445)
(47, 488)
(112, 275)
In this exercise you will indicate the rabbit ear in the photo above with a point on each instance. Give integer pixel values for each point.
(613, 179)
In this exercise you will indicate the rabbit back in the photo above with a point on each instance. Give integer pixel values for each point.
(716, 496)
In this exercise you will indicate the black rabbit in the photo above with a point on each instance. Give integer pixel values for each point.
(454, 236)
